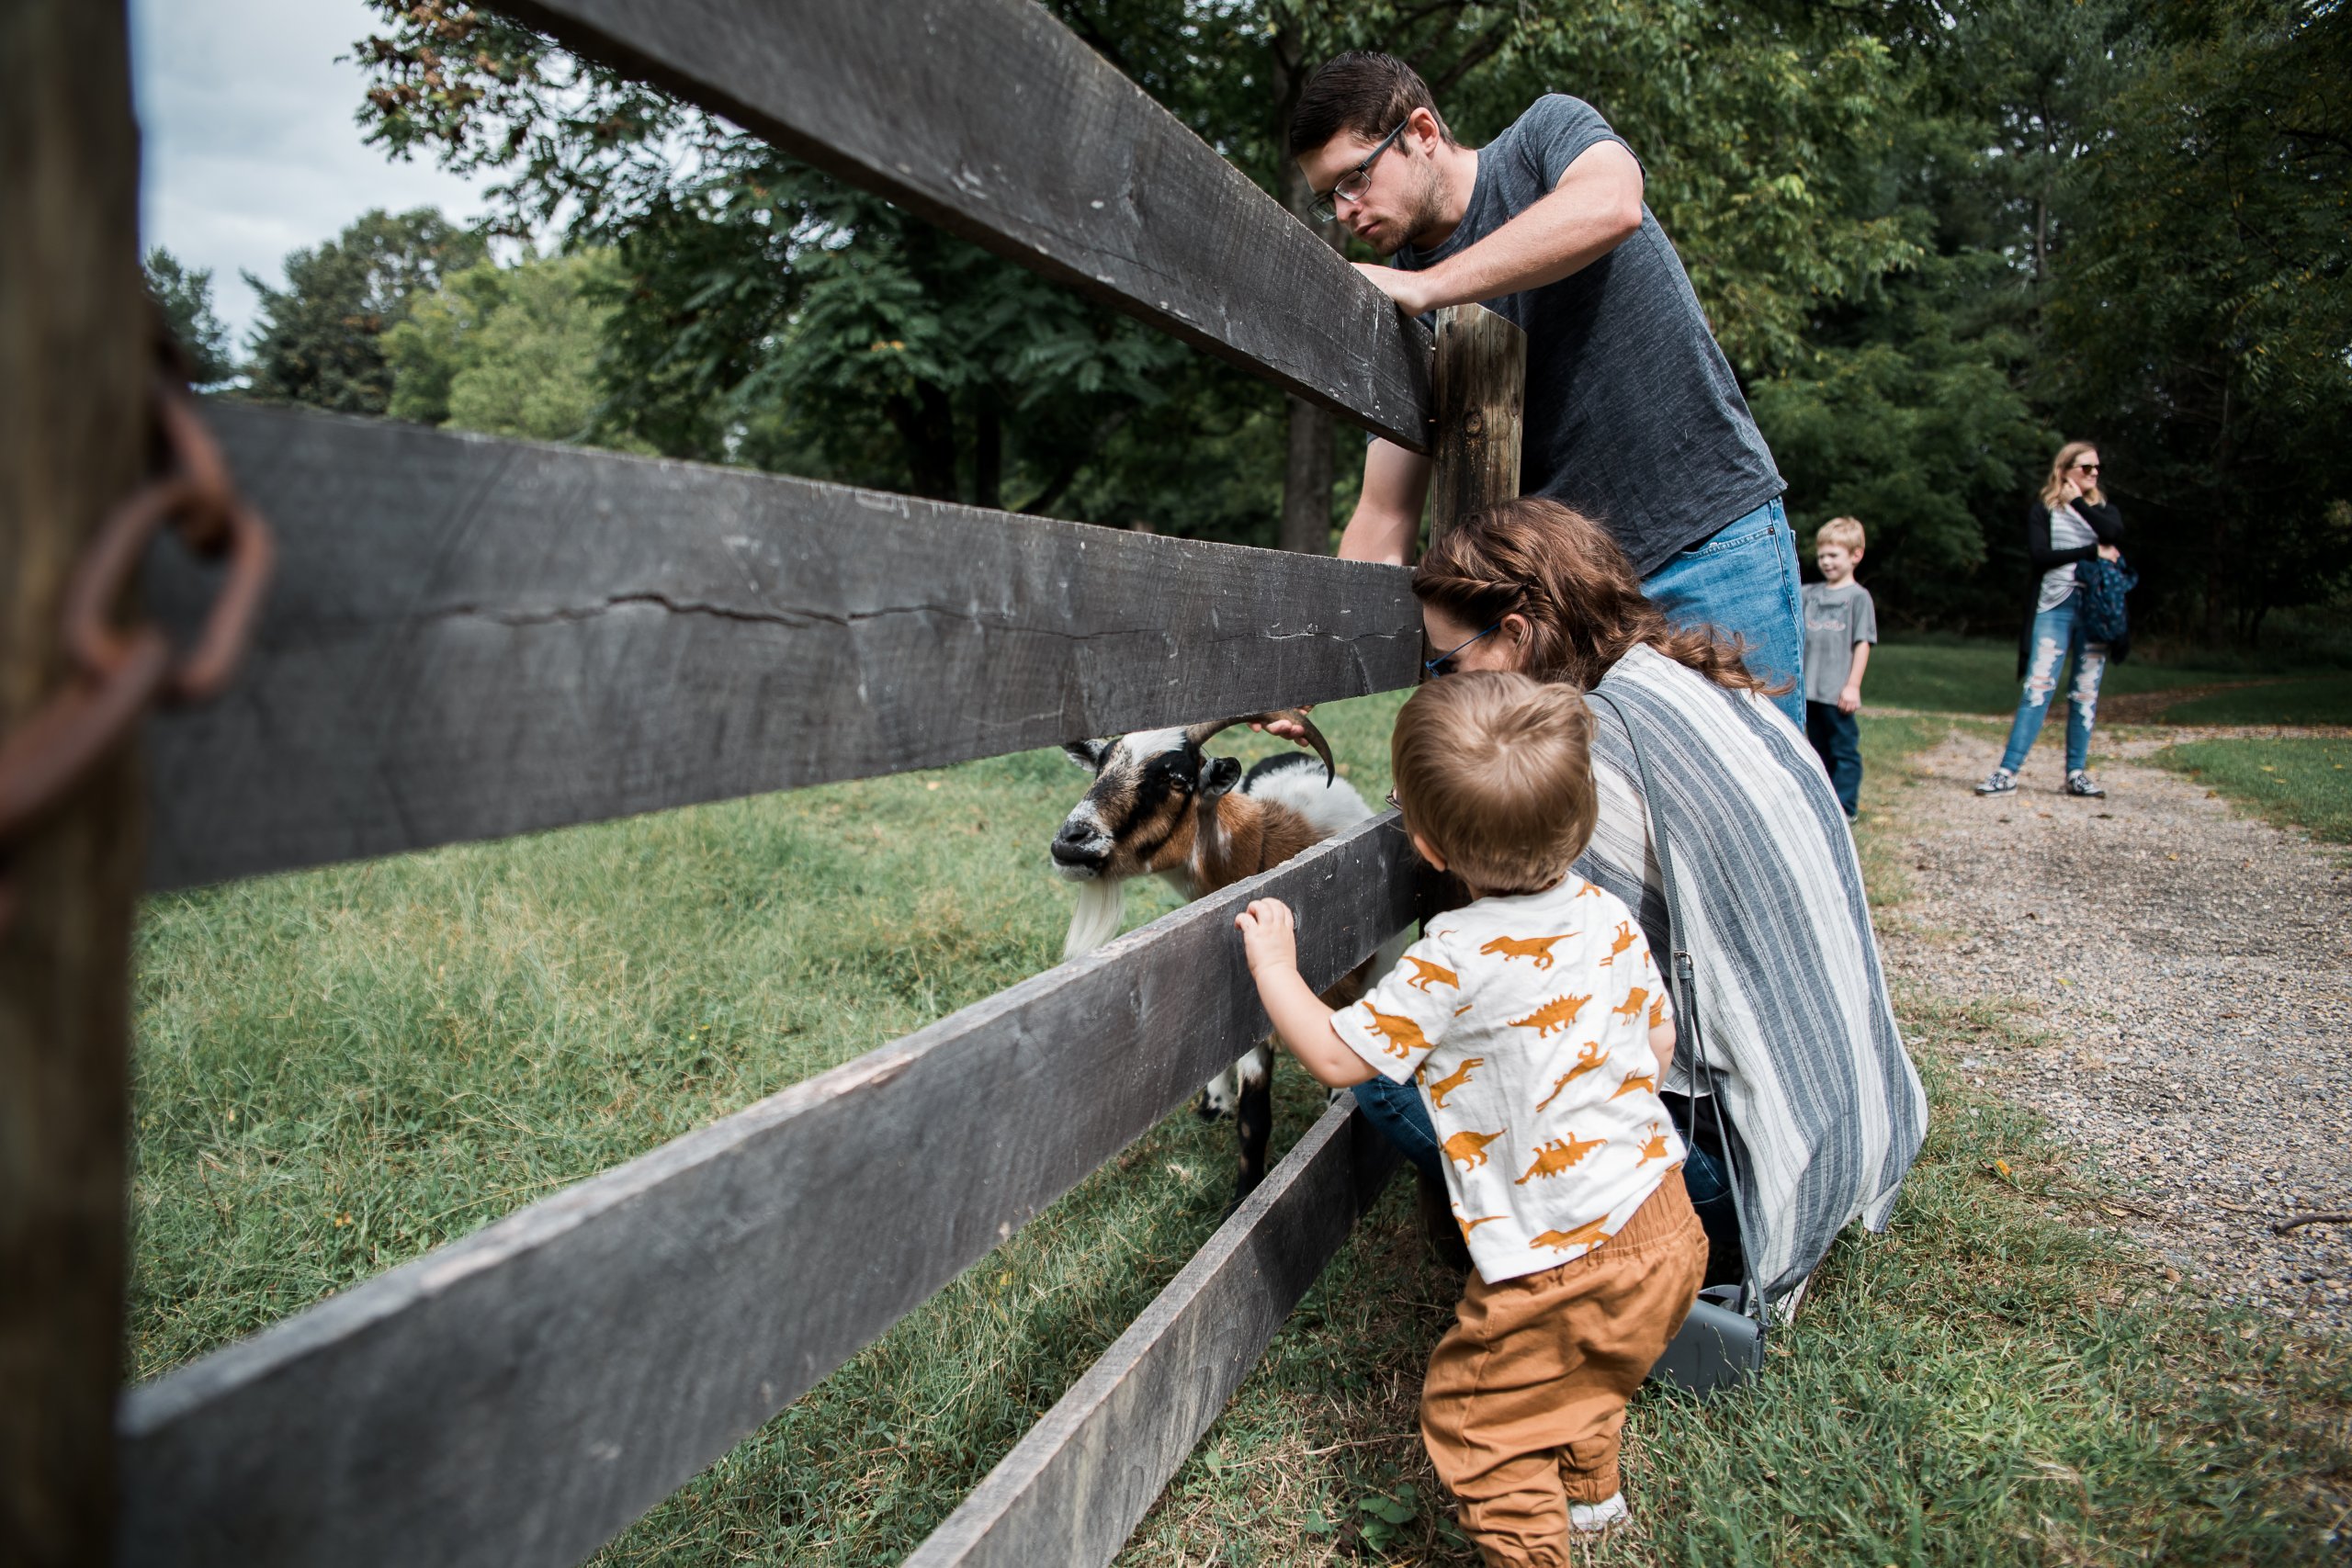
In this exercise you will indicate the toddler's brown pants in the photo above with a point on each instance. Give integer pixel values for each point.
(1526, 1392)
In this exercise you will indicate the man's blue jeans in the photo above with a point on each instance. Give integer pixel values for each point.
(1743, 578)
(2058, 633)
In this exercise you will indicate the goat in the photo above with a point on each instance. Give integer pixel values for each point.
(1160, 806)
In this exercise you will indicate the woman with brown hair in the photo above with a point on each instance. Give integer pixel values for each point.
(1825, 1111)
(2070, 522)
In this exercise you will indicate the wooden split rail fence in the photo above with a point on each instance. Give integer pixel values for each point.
(471, 637)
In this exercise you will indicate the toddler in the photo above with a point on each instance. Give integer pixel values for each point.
(1538, 1028)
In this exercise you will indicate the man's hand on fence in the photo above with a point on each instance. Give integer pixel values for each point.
(1408, 288)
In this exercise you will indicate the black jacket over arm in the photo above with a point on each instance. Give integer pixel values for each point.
(2106, 522)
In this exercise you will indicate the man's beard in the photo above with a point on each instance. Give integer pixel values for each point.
(1427, 211)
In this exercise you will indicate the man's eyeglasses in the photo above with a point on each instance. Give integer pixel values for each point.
(1437, 667)
(1397, 806)
(1355, 181)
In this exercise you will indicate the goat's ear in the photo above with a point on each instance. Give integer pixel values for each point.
(1086, 754)
(1219, 777)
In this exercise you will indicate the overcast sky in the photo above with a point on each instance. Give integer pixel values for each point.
(249, 149)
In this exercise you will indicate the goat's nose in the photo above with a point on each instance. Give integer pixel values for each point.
(1077, 849)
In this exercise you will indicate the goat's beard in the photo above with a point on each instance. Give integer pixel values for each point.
(1101, 901)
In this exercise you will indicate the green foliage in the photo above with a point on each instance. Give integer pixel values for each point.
(2203, 325)
(184, 297)
(320, 340)
(507, 351)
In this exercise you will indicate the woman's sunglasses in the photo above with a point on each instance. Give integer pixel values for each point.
(1437, 667)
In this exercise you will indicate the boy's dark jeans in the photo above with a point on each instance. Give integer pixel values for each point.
(1840, 741)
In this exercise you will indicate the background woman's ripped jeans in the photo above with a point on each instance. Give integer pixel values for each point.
(2057, 635)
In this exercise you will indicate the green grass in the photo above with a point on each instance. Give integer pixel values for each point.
(1980, 677)
(2306, 783)
(2310, 699)
(340, 1069)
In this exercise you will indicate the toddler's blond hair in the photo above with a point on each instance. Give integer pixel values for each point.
(1495, 770)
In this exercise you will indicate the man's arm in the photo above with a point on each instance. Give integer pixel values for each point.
(1387, 517)
(1595, 207)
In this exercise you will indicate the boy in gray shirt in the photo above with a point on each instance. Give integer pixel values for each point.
(1840, 624)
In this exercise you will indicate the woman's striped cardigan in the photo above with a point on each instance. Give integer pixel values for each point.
(1828, 1110)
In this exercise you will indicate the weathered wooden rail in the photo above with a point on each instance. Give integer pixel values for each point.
(472, 637)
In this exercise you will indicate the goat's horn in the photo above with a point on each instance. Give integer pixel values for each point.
(1198, 734)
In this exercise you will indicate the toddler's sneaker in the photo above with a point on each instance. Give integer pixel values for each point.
(2000, 781)
(1598, 1518)
(2082, 784)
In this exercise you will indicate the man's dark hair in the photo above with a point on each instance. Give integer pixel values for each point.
(1364, 91)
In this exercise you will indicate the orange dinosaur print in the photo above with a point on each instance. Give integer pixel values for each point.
(1462, 1008)
(1557, 1013)
(1469, 1224)
(1658, 1010)
(1539, 948)
(1553, 1155)
(1454, 1080)
(1619, 942)
(1636, 1081)
(1399, 1036)
(1431, 974)
(1654, 1149)
(1588, 890)
(1469, 1148)
(1634, 1000)
(1587, 1233)
(1593, 1057)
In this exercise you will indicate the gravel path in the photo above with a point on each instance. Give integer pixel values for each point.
(2192, 969)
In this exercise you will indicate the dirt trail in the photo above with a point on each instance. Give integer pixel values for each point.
(2192, 969)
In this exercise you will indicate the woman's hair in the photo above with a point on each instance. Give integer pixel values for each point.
(1846, 531)
(1495, 770)
(1584, 606)
(1364, 91)
(2054, 494)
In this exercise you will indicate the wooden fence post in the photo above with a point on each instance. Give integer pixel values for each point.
(1480, 388)
(74, 363)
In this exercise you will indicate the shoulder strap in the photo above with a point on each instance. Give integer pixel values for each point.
(1682, 977)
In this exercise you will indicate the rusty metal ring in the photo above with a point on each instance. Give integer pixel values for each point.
(102, 575)
(40, 761)
(200, 675)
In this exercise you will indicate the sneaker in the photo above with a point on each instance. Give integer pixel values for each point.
(2000, 781)
(1598, 1518)
(2082, 784)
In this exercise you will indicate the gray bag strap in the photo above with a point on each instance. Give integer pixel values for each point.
(1682, 978)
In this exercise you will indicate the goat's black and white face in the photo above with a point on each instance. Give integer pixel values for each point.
(1146, 784)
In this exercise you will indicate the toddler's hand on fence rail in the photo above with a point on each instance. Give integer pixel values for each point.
(1269, 936)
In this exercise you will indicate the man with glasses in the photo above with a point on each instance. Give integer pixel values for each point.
(1633, 416)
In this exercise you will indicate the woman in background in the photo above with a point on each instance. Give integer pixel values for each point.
(2069, 522)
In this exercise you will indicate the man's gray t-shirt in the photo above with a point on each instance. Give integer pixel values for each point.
(1633, 416)
(1835, 618)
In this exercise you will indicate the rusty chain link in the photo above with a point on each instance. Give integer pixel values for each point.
(119, 671)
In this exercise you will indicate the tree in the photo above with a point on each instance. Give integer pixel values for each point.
(507, 351)
(320, 340)
(184, 297)
(2201, 328)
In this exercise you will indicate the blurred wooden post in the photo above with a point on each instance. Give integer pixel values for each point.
(1481, 390)
(74, 363)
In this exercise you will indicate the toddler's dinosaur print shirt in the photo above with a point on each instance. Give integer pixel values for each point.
(1526, 1021)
